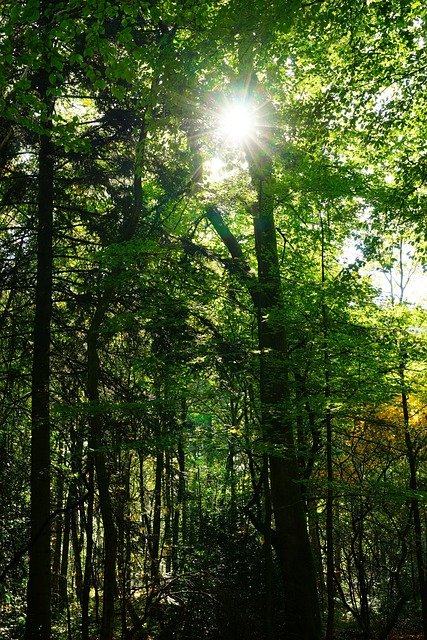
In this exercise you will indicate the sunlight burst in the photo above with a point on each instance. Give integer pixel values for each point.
(238, 124)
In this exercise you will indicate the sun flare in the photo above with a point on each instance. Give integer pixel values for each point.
(237, 123)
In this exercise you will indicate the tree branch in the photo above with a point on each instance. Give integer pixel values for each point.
(237, 264)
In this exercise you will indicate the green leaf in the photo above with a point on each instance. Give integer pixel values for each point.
(118, 91)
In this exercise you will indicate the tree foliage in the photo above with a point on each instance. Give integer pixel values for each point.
(212, 357)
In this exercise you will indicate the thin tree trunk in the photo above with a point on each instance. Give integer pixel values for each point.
(330, 569)
(330, 552)
(144, 511)
(87, 576)
(168, 526)
(155, 533)
(110, 548)
(268, 554)
(363, 617)
(63, 573)
(179, 514)
(413, 485)
(57, 546)
(124, 537)
(103, 481)
(76, 546)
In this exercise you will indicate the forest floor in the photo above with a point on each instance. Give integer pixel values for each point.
(399, 635)
(405, 632)
(395, 635)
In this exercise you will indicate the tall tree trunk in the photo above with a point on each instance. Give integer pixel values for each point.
(268, 554)
(330, 553)
(330, 559)
(292, 542)
(169, 506)
(102, 475)
(124, 464)
(415, 507)
(57, 545)
(38, 622)
(180, 510)
(77, 549)
(63, 582)
(157, 506)
(87, 576)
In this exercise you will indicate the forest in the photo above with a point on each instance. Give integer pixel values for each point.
(213, 319)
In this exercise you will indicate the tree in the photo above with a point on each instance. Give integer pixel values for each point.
(291, 538)
(38, 623)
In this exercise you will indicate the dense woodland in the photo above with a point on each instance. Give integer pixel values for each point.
(213, 341)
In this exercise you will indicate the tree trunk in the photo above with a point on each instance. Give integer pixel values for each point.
(77, 548)
(168, 510)
(268, 555)
(291, 540)
(102, 475)
(179, 514)
(415, 507)
(330, 554)
(62, 582)
(124, 464)
(156, 528)
(87, 576)
(293, 549)
(57, 544)
(38, 620)
(291, 536)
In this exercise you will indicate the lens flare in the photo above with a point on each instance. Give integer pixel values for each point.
(237, 124)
